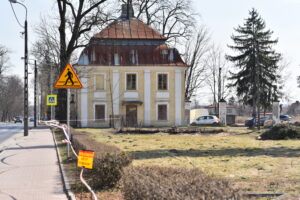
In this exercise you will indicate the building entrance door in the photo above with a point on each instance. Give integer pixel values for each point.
(131, 115)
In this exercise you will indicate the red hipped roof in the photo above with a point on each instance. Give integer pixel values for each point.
(129, 29)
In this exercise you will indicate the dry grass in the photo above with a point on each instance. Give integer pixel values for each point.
(296, 119)
(253, 165)
(105, 195)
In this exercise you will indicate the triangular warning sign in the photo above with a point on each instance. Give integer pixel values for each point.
(68, 79)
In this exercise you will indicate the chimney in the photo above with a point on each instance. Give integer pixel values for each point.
(127, 11)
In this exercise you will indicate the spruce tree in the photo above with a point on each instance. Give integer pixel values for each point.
(256, 62)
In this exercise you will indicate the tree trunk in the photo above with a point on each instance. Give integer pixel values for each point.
(61, 108)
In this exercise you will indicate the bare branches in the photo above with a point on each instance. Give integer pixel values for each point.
(217, 72)
(194, 56)
(46, 48)
(76, 19)
(174, 19)
(10, 100)
(4, 59)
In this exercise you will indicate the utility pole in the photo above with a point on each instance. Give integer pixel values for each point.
(219, 84)
(35, 85)
(25, 67)
(26, 82)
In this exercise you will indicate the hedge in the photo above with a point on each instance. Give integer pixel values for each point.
(281, 132)
(162, 183)
(108, 161)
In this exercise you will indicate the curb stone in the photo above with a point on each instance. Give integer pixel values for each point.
(64, 178)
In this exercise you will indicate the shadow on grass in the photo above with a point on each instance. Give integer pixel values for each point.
(231, 152)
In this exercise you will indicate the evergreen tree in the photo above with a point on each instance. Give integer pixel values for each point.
(255, 78)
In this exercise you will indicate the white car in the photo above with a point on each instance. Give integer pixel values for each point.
(206, 120)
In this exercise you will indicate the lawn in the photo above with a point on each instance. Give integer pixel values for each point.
(253, 165)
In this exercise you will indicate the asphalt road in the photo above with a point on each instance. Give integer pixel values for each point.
(7, 130)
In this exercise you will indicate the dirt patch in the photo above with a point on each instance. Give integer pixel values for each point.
(116, 195)
(173, 130)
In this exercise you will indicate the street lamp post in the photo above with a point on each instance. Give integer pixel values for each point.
(35, 85)
(25, 71)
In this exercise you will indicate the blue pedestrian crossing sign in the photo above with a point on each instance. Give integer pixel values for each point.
(51, 100)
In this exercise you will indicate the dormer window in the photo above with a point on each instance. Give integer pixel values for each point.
(93, 59)
(116, 59)
(171, 55)
(133, 57)
(164, 55)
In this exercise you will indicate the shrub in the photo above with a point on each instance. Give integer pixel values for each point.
(281, 132)
(297, 123)
(158, 183)
(108, 161)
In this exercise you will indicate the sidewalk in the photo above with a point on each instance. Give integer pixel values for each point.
(29, 168)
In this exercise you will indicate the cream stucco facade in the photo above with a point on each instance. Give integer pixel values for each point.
(115, 97)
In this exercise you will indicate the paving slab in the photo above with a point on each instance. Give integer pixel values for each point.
(29, 168)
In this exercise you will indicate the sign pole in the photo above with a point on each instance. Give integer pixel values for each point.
(66, 80)
(51, 92)
(68, 120)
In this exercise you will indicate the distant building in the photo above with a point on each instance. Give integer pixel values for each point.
(294, 109)
(230, 109)
(128, 71)
(195, 113)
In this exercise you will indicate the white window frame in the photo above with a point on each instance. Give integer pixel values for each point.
(168, 83)
(105, 109)
(168, 111)
(95, 80)
(137, 81)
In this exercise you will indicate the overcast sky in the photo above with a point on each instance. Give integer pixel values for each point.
(220, 16)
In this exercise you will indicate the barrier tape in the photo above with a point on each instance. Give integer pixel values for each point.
(103, 119)
(54, 123)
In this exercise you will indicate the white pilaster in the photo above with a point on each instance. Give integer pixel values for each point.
(147, 97)
(84, 102)
(178, 97)
(116, 92)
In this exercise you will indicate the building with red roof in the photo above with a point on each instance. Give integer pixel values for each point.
(130, 73)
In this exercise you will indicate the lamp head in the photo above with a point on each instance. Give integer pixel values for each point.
(13, 1)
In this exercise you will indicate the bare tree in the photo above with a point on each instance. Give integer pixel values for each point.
(217, 71)
(283, 74)
(76, 19)
(11, 100)
(213, 63)
(174, 19)
(195, 50)
(4, 65)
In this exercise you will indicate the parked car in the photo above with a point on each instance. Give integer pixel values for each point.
(18, 119)
(31, 119)
(251, 122)
(285, 118)
(206, 120)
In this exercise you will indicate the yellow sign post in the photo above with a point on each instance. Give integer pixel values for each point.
(51, 100)
(68, 79)
(85, 159)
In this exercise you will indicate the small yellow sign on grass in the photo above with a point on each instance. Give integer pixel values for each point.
(85, 159)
